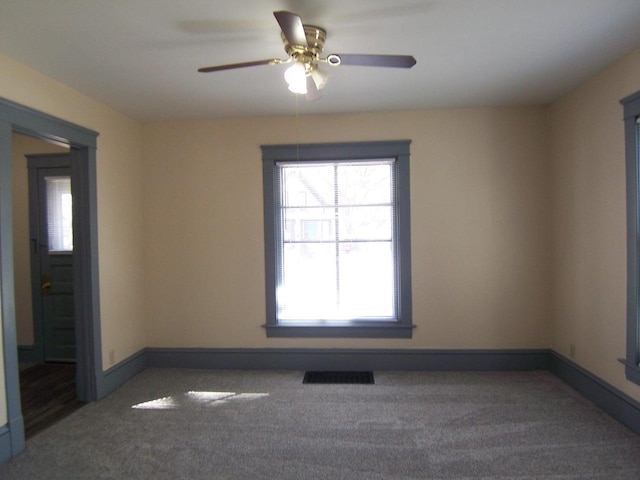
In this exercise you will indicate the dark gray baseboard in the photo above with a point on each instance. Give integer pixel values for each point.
(5, 444)
(11, 439)
(611, 400)
(348, 359)
(120, 373)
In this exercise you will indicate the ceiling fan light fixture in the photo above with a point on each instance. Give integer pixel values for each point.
(304, 45)
(296, 78)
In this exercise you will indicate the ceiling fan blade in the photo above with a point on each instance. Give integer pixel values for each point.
(312, 89)
(231, 66)
(292, 28)
(364, 60)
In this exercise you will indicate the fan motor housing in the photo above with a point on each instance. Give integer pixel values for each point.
(316, 37)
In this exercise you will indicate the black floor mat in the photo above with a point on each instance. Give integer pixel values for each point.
(339, 377)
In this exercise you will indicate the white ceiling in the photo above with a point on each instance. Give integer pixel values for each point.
(140, 56)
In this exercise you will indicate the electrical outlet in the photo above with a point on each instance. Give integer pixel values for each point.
(572, 350)
(112, 357)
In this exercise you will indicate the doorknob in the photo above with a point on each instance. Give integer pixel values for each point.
(45, 284)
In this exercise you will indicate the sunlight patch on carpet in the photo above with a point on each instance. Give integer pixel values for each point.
(196, 399)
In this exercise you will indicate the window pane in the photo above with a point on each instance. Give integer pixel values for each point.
(367, 280)
(308, 185)
(337, 260)
(364, 184)
(318, 282)
(59, 214)
(308, 287)
(365, 223)
(308, 224)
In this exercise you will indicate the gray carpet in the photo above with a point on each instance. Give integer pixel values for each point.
(200, 424)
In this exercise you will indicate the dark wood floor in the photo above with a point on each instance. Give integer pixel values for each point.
(48, 393)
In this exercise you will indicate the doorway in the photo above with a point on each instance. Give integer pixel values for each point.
(81, 144)
(44, 255)
(48, 387)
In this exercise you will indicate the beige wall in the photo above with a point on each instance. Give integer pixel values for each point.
(22, 145)
(120, 216)
(589, 222)
(480, 236)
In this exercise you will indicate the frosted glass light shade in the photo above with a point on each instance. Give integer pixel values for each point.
(296, 78)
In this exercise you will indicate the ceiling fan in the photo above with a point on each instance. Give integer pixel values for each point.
(304, 45)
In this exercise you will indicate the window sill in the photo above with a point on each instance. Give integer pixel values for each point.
(342, 331)
(632, 371)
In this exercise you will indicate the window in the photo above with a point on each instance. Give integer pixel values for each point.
(59, 214)
(631, 106)
(337, 240)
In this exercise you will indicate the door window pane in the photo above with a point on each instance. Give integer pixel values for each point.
(59, 214)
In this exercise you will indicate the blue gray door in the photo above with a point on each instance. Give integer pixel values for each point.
(51, 230)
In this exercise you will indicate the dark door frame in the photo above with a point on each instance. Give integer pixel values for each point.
(82, 143)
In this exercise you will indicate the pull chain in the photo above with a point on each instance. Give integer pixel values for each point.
(297, 131)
